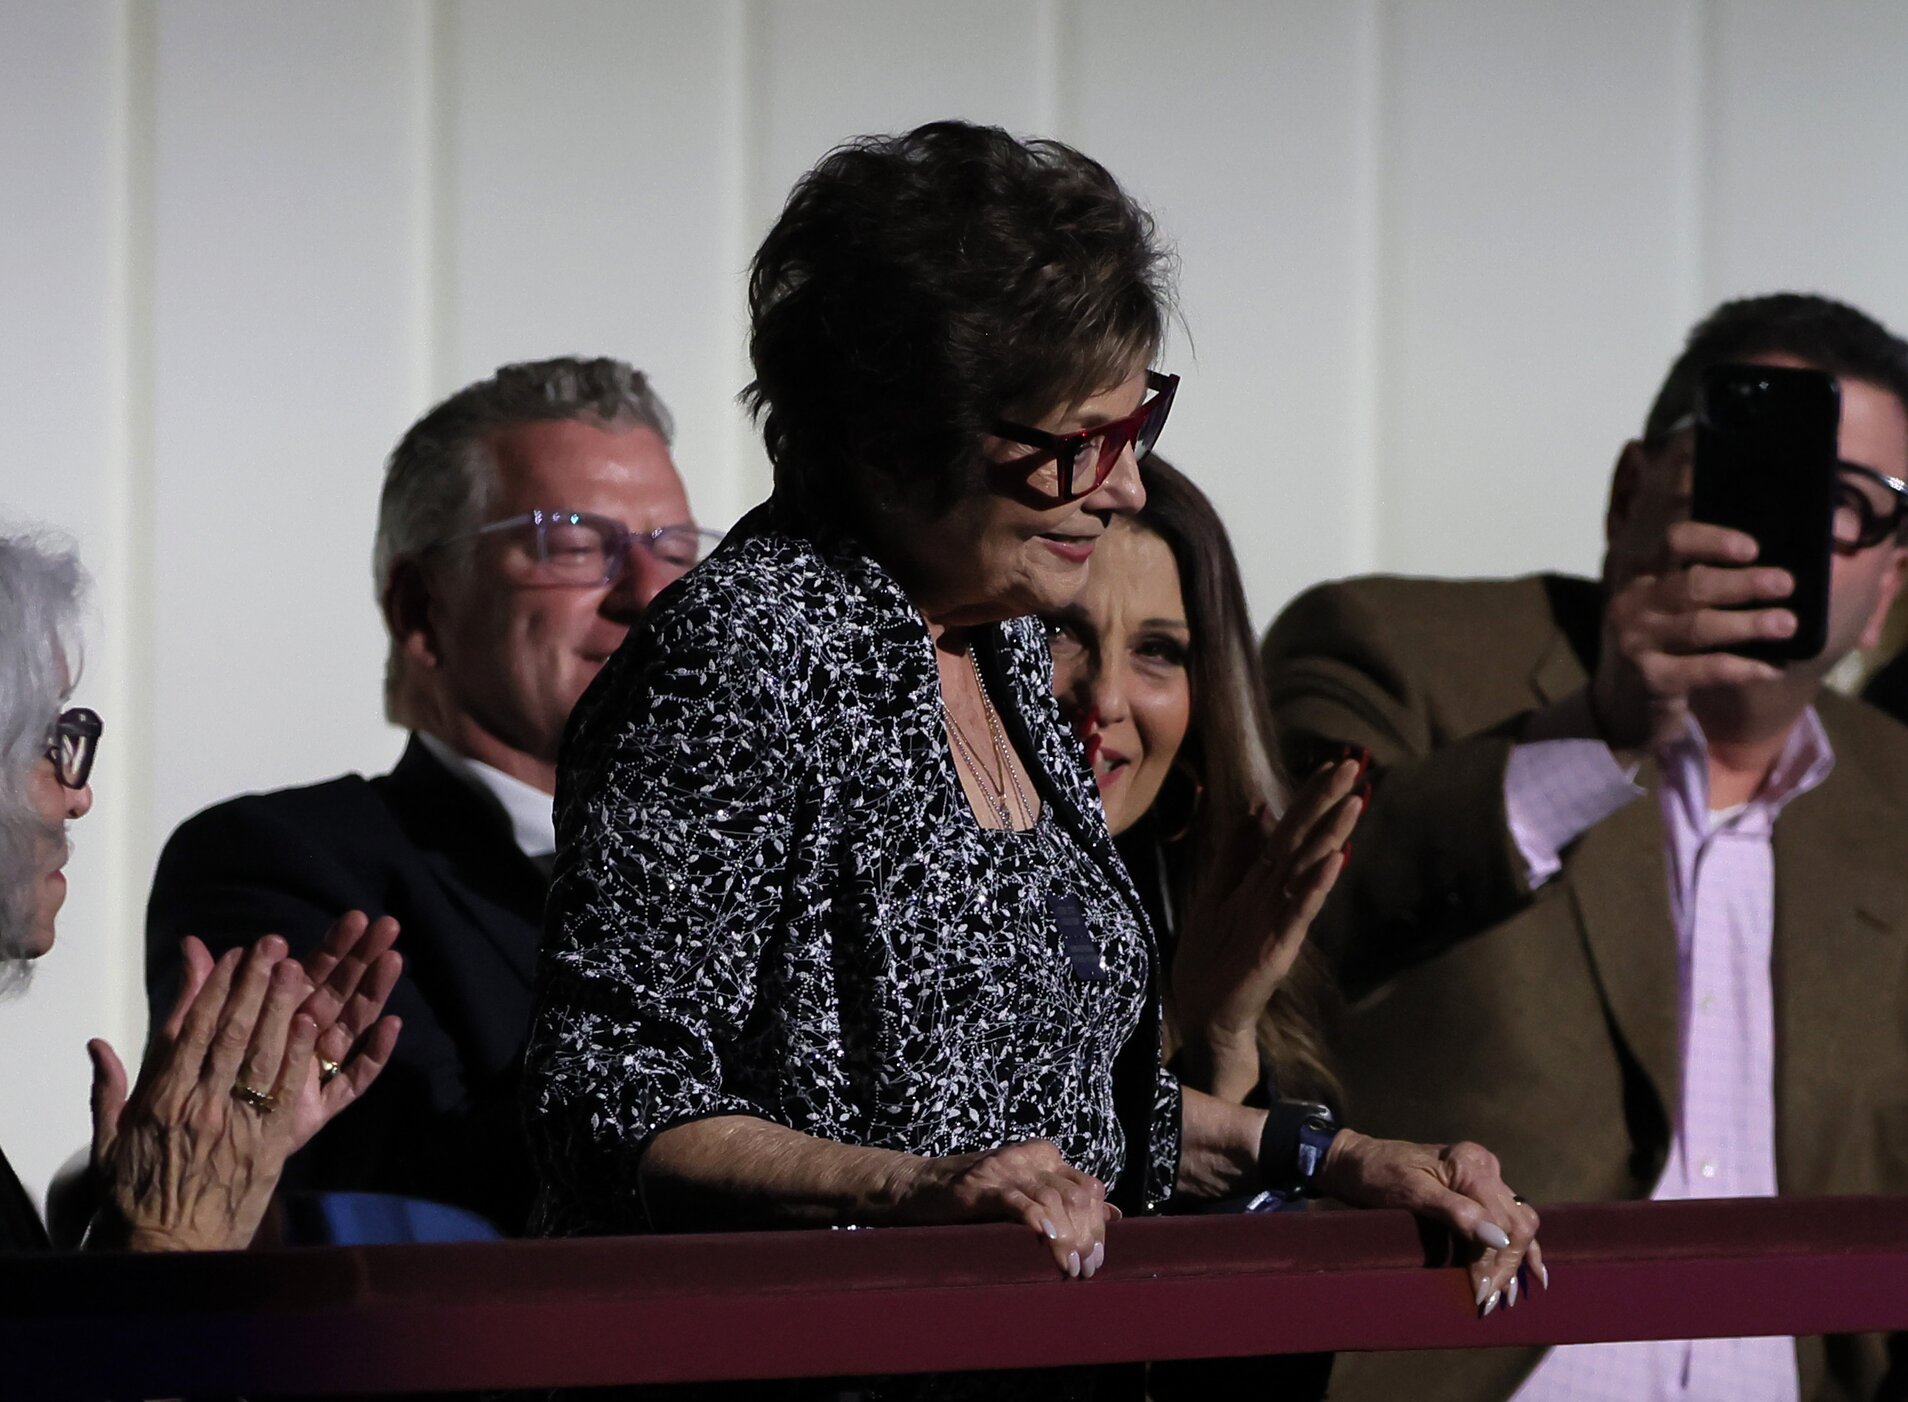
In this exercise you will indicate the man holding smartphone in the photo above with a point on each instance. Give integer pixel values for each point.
(1628, 906)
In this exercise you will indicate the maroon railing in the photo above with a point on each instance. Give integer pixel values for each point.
(523, 1314)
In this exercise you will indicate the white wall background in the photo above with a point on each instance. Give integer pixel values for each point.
(1436, 254)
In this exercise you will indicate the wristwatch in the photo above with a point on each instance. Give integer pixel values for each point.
(1292, 1146)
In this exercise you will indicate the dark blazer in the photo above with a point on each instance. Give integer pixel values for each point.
(1888, 688)
(1544, 1024)
(417, 844)
(20, 1226)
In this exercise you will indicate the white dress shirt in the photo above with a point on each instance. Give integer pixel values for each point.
(529, 810)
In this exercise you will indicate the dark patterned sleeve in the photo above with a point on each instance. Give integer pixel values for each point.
(681, 789)
(1163, 1144)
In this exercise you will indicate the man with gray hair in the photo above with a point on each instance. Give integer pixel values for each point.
(526, 523)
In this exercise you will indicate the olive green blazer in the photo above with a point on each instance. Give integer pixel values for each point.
(1545, 1024)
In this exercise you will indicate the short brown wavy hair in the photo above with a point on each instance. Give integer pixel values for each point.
(1820, 331)
(917, 287)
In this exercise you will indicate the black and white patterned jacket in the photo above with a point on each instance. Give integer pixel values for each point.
(764, 899)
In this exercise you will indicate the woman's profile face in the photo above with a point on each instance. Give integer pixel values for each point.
(1008, 550)
(54, 805)
(1120, 668)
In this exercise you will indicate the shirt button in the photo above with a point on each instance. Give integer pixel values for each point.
(1708, 1168)
(1707, 1003)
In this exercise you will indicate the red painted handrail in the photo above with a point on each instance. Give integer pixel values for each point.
(631, 1310)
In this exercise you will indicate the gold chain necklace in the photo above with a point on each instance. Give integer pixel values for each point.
(993, 788)
(1005, 755)
(996, 799)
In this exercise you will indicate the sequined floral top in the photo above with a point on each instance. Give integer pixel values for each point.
(772, 898)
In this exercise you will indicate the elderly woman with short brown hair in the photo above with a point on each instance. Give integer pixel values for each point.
(837, 933)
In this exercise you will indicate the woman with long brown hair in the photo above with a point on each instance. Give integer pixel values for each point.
(1154, 663)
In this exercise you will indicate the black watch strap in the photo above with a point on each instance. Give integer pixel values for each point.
(1292, 1146)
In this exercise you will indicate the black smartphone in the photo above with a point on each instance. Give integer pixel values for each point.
(1766, 450)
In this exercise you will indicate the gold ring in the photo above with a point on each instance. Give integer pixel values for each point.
(253, 1099)
(326, 1070)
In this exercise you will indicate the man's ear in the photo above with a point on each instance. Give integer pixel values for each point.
(1885, 600)
(408, 613)
(1626, 485)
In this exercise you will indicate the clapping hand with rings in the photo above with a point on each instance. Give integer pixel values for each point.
(352, 972)
(231, 1085)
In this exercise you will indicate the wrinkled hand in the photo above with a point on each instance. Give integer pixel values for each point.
(352, 973)
(1664, 619)
(1459, 1185)
(1246, 926)
(1026, 1181)
(182, 1164)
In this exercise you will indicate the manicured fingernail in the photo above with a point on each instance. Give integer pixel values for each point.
(1345, 851)
(1493, 1235)
(1073, 1264)
(1483, 1292)
(1491, 1303)
(1510, 1295)
(1048, 1228)
(1095, 1259)
(1543, 1275)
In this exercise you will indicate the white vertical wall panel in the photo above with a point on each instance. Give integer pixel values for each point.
(822, 71)
(1238, 123)
(827, 70)
(593, 204)
(1808, 173)
(1534, 268)
(286, 153)
(62, 79)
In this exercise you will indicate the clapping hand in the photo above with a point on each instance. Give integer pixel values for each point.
(352, 972)
(258, 1053)
(1249, 920)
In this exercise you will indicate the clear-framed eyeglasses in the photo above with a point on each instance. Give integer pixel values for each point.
(72, 743)
(579, 549)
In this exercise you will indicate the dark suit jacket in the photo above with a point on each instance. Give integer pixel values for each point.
(443, 1121)
(20, 1225)
(1888, 688)
(1545, 1024)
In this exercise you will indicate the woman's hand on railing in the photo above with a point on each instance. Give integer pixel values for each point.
(1026, 1181)
(1249, 920)
(1460, 1185)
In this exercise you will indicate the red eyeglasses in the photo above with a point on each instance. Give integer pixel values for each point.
(1056, 470)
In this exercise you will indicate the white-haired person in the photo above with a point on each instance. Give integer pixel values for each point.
(258, 1053)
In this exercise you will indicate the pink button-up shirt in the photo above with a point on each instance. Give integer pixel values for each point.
(1722, 904)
